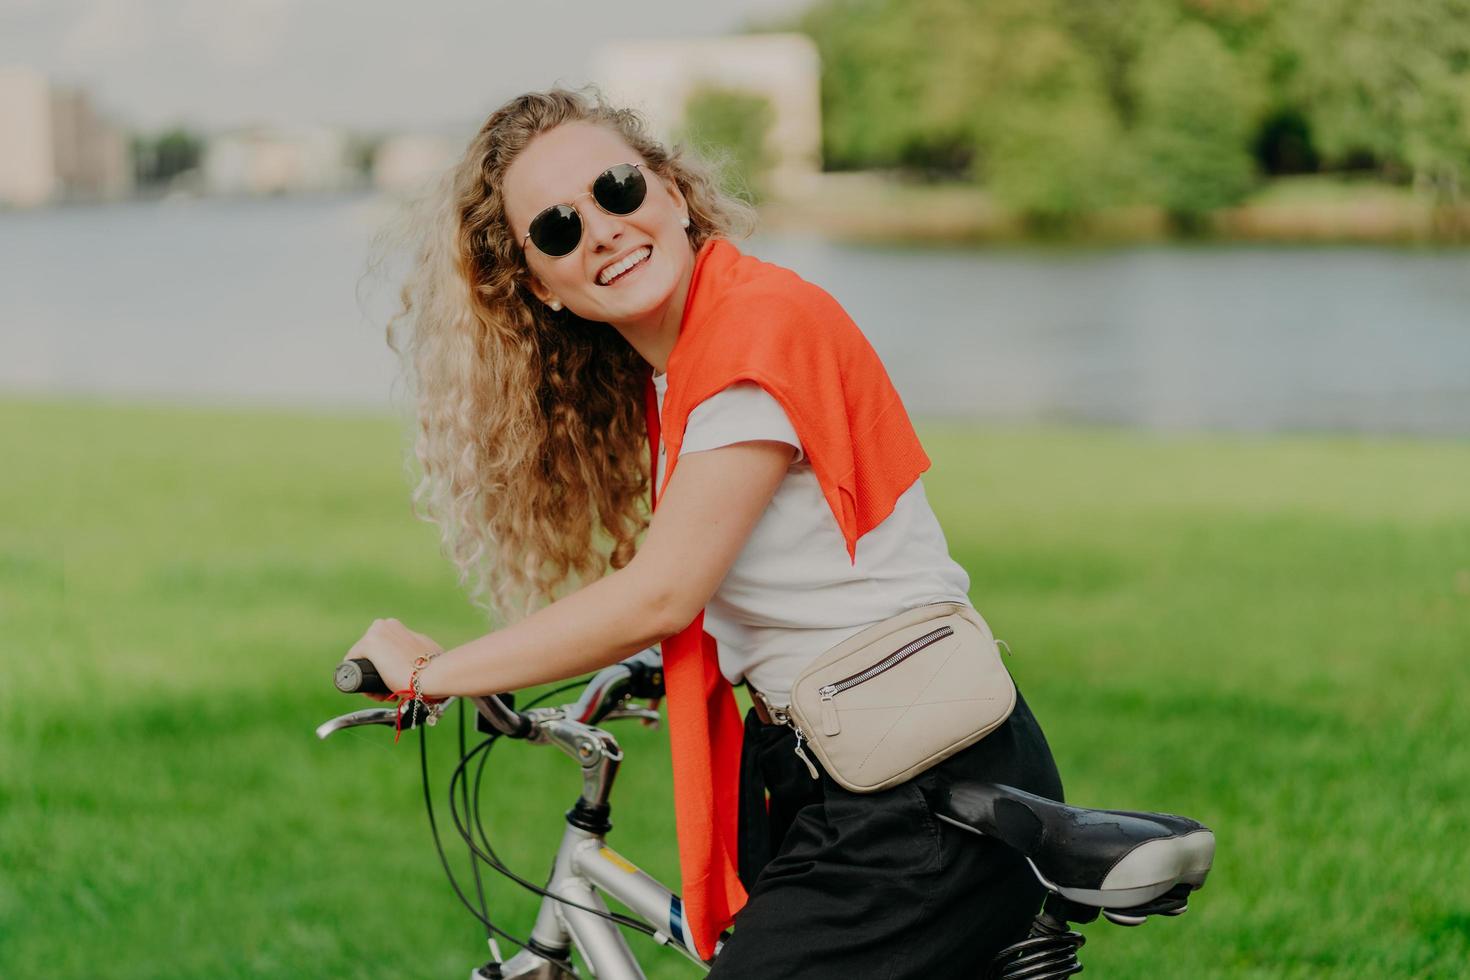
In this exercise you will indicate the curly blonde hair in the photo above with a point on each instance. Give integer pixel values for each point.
(531, 435)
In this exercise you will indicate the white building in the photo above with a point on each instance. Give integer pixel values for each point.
(406, 163)
(54, 146)
(277, 160)
(657, 77)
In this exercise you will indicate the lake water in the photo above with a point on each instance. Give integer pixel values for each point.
(269, 302)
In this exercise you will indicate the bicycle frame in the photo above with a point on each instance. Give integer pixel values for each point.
(585, 864)
(585, 868)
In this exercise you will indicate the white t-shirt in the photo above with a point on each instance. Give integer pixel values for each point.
(792, 592)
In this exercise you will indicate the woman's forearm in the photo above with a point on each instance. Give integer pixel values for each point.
(705, 516)
(596, 626)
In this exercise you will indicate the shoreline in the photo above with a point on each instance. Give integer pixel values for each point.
(869, 207)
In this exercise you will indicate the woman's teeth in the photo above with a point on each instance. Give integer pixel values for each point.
(618, 268)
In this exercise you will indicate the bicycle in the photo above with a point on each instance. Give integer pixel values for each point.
(1124, 865)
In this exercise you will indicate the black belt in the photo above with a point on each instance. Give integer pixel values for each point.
(760, 705)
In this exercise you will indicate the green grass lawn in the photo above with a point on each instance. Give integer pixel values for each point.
(1267, 634)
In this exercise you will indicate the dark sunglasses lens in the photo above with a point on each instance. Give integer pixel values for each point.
(620, 190)
(557, 230)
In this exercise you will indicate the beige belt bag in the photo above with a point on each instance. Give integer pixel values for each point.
(902, 695)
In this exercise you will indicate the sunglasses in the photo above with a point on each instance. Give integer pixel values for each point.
(617, 190)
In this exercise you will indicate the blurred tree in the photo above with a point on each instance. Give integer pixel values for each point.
(1115, 35)
(1062, 106)
(158, 159)
(1194, 122)
(362, 151)
(1437, 148)
(1236, 22)
(901, 82)
(732, 126)
(1283, 143)
(1383, 81)
(1054, 148)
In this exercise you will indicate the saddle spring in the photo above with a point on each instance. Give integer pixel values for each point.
(1049, 953)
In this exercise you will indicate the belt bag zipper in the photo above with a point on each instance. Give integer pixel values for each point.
(829, 692)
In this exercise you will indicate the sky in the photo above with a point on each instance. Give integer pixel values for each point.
(366, 64)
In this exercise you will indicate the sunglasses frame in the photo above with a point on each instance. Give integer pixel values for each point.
(583, 224)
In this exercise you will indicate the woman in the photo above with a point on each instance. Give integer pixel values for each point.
(579, 301)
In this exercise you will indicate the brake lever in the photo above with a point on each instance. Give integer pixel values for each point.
(356, 719)
(649, 715)
(378, 716)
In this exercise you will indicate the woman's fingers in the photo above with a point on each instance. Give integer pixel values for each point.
(397, 628)
(359, 650)
(391, 648)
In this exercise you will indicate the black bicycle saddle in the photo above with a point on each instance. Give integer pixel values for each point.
(1114, 859)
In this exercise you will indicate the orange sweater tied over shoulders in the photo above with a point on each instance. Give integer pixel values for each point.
(749, 320)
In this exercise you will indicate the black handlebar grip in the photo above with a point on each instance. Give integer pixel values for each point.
(359, 677)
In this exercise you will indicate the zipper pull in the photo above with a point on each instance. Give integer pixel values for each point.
(803, 757)
(830, 724)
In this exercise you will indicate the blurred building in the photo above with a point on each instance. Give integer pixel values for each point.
(269, 160)
(657, 77)
(405, 163)
(55, 145)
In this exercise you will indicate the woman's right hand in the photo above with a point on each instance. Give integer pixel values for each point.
(392, 648)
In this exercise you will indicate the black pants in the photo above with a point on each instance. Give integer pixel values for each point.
(872, 886)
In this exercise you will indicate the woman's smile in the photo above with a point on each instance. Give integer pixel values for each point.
(626, 267)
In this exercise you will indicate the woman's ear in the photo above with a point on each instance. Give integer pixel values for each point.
(542, 294)
(537, 288)
(677, 196)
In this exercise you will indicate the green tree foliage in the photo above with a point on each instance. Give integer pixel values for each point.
(1114, 36)
(1437, 146)
(362, 152)
(1063, 106)
(732, 125)
(1383, 80)
(1053, 146)
(902, 81)
(158, 159)
(1194, 124)
(1283, 143)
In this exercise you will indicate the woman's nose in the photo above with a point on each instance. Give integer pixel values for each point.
(602, 229)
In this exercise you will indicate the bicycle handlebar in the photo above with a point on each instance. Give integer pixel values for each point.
(361, 677)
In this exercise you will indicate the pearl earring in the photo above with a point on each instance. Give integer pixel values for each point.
(684, 221)
(555, 304)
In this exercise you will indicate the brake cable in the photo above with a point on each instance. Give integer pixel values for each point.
(474, 865)
(494, 862)
(488, 855)
(490, 927)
